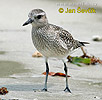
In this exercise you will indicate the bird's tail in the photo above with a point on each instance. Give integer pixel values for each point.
(82, 43)
(79, 44)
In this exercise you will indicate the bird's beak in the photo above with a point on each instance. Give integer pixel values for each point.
(28, 22)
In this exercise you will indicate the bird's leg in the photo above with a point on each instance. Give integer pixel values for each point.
(83, 51)
(67, 88)
(47, 72)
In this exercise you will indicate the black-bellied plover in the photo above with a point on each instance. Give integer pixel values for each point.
(51, 40)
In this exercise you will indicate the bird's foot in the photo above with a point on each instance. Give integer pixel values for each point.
(40, 90)
(44, 89)
(67, 90)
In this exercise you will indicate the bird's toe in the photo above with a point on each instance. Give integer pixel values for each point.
(67, 90)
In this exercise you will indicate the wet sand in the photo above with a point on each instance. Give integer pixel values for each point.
(21, 73)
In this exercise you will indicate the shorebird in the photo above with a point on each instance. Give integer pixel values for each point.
(51, 40)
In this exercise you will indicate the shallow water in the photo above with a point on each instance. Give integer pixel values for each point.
(8, 68)
(2, 52)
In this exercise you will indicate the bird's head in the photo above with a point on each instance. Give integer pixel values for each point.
(37, 17)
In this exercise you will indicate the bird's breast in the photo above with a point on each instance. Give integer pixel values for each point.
(48, 45)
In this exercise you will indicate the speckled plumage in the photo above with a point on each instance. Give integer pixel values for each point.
(51, 40)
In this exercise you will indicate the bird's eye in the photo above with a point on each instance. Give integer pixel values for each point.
(39, 16)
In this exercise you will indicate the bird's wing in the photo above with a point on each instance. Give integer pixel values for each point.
(67, 38)
(64, 37)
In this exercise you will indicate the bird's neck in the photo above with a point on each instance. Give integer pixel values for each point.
(37, 27)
